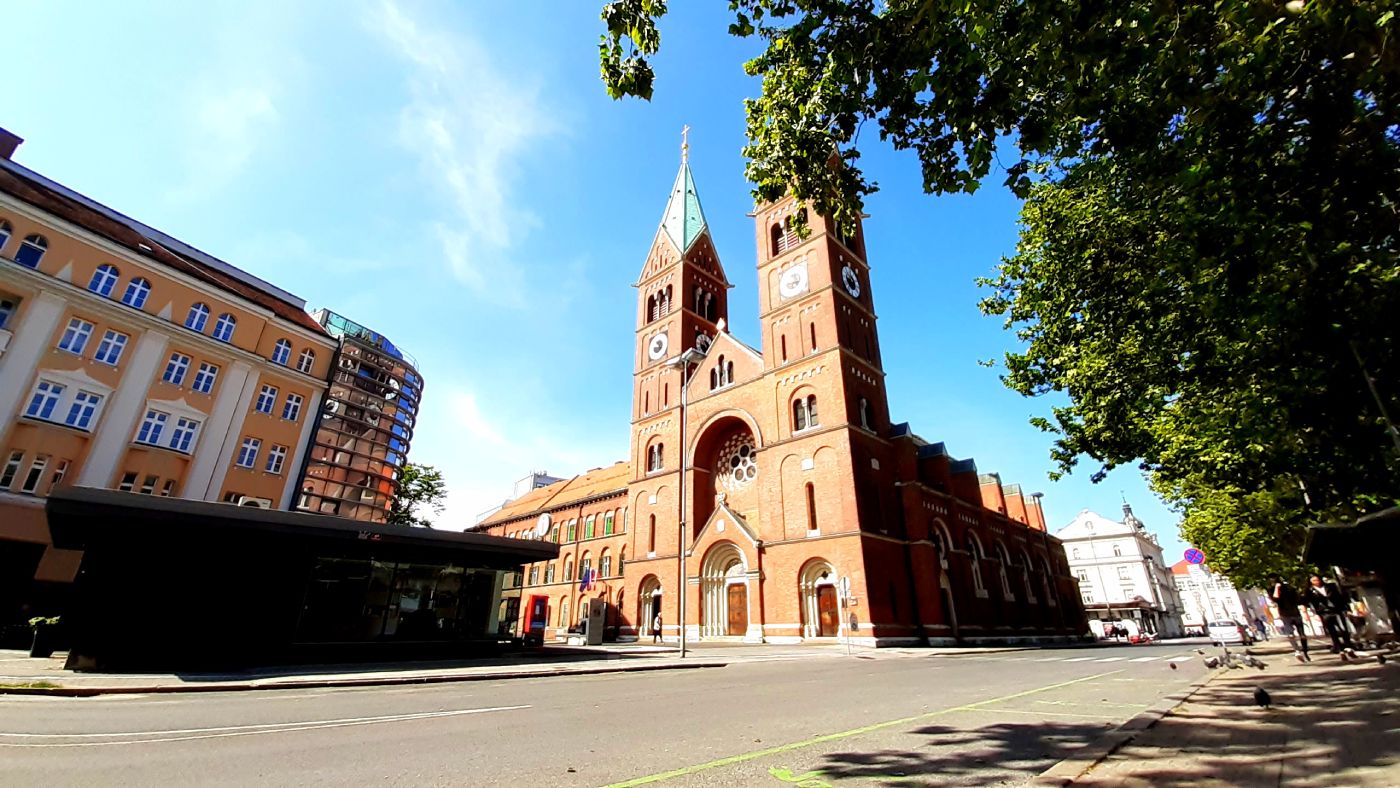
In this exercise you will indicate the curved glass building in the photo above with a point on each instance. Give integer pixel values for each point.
(366, 425)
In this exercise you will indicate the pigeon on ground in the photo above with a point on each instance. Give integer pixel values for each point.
(1261, 698)
(1252, 661)
(1171, 665)
(1380, 659)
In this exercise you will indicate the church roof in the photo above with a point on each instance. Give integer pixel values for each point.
(683, 220)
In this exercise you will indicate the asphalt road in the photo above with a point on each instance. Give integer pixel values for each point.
(983, 719)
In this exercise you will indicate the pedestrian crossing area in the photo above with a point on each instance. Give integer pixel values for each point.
(1095, 659)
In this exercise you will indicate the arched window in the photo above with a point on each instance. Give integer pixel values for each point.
(646, 402)
(608, 523)
(223, 329)
(31, 251)
(651, 307)
(666, 302)
(1117, 551)
(812, 420)
(714, 379)
(605, 565)
(1004, 561)
(568, 570)
(585, 565)
(782, 347)
(812, 333)
(775, 236)
(621, 561)
(940, 542)
(137, 291)
(535, 575)
(588, 532)
(306, 361)
(865, 413)
(554, 534)
(651, 534)
(699, 300)
(665, 395)
(5, 231)
(104, 279)
(974, 554)
(709, 306)
(799, 415)
(197, 318)
(281, 352)
(563, 611)
(728, 372)
(549, 572)
(811, 507)
(1026, 573)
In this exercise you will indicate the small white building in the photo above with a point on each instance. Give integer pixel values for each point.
(1122, 579)
(1207, 596)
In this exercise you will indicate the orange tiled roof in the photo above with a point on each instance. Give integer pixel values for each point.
(612, 479)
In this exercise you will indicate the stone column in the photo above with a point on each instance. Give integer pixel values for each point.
(311, 420)
(123, 409)
(216, 445)
(33, 332)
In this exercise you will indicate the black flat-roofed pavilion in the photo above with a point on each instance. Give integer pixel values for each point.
(172, 584)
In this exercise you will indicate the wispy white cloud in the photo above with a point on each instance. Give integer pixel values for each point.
(470, 122)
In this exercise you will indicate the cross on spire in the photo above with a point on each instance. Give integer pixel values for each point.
(685, 144)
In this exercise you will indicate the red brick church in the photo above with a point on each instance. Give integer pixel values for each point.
(802, 511)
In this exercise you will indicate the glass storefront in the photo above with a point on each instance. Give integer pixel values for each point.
(357, 600)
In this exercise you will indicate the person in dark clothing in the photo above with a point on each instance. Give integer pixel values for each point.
(1290, 619)
(1326, 601)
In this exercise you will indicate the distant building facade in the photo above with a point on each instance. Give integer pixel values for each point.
(1207, 596)
(366, 425)
(801, 510)
(132, 361)
(533, 481)
(1122, 579)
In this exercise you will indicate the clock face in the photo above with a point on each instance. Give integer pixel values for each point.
(851, 281)
(793, 282)
(656, 347)
(702, 342)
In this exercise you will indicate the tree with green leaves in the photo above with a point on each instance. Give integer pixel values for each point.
(420, 487)
(1207, 272)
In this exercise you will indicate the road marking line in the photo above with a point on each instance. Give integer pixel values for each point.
(1056, 714)
(1180, 659)
(1111, 659)
(797, 745)
(235, 730)
(1049, 659)
(1080, 659)
(1143, 659)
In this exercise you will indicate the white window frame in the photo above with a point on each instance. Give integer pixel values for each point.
(248, 452)
(78, 332)
(36, 242)
(206, 371)
(198, 317)
(176, 368)
(306, 361)
(104, 280)
(224, 327)
(152, 425)
(11, 470)
(291, 409)
(282, 352)
(276, 458)
(83, 410)
(185, 435)
(52, 393)
(138, 290)
(35, 476)
(267, 399)
(110, 349)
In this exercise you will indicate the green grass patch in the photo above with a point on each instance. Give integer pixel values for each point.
(31, 685)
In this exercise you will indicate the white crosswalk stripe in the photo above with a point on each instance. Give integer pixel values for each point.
(1180, 659)
(1143, 659)
(1111, 659)
(1080, 659)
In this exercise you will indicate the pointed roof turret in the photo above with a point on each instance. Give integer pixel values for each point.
(683, 220)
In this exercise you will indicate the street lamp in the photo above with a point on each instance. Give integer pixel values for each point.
(683, 362)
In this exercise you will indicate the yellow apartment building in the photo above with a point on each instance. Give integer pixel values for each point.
(132, 361)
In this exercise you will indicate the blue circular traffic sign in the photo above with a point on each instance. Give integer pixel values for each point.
(1194, 556)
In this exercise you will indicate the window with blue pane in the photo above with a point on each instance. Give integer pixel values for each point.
(137, 291)
(266, 398)
(248, 452)
(223, 330)
(5, 231)
(104, 279)
(31, 251)
(109, 350)
(183, 436)
(197, 318)
(204, 378)
(84, 407)
(175, 368)
(45, 398)
(152, 427)
(75, 336)
(281, 352)
(7, 308)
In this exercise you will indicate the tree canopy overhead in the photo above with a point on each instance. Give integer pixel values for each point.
(1207, 266)
(420, 487)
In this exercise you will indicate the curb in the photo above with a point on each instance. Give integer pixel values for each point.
(1069, 770)
(86, 692)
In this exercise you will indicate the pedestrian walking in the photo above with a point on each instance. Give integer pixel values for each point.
(1290, 619)
(656, 629)
(1326, 601)
(1261, 628)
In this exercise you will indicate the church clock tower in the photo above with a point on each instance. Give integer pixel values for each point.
(682, 299)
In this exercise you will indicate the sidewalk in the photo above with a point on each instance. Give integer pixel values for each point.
(20, 674)
(1332, 723)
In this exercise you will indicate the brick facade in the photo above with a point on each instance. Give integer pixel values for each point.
(807, 513)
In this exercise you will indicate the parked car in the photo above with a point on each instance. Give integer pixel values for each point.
(1229, 633)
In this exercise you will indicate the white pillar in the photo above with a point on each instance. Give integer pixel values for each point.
(124, 407)
(33, 332)
(311, 420)
(209, 463)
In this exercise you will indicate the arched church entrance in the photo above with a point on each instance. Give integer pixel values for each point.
(648, 605)
(724, 591)
(821, 613)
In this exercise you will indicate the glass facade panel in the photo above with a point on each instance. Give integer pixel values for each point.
(358, 600)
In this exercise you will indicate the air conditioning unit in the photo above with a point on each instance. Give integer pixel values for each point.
(261, 503)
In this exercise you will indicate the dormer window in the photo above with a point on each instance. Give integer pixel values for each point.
(31, 251)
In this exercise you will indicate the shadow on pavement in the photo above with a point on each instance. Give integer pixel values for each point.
(1329, 725)
(989, 755)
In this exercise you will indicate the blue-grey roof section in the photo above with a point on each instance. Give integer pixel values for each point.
(683, 221)
(933, 450)
(964, 466)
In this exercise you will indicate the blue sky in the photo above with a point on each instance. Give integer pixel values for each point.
(454, 176)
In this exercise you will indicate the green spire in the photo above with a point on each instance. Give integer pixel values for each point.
(683, 220)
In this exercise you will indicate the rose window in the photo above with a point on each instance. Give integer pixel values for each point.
(737, 467)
